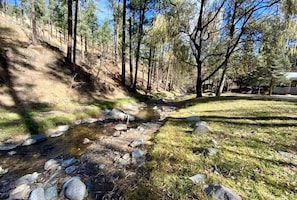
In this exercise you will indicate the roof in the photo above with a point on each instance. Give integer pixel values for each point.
(291, 75)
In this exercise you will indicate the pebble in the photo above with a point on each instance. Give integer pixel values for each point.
(201, 127)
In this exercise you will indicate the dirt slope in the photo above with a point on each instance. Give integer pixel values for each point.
(39, 74)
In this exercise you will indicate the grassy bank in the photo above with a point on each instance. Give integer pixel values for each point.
(39, 117)
(257, 155)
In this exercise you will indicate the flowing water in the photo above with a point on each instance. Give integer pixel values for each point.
(28, 159)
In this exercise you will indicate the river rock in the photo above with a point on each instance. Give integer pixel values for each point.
(201, 127)
(9, 145)
(11, 153)
(37, 194)
(121, 127)
(116, 134)
(51, 193)
(51, 164)
(117, 114)
(67, 163)
(137, 153)
(74, 189)
(3, 171)
(27, 179)
(193, 119)
(91, 120)
(198, 178)
(33, 139)
(136, 143)
(58, 131)
(70, 169)
(220, 192)
(86, 141)
(20, 192)
(130, 118)
(77, 122)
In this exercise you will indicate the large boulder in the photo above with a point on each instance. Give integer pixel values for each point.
(74, 189)
(220, 192)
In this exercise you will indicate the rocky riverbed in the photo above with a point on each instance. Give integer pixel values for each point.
(96, 158)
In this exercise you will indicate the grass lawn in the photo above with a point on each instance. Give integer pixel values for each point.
(257, 158)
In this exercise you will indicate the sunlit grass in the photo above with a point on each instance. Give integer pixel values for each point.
(249, 132)
(17, 121)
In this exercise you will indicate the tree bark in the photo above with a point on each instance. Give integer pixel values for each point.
(222, 82)
(124, 44)
(75, 31)
(69, 22)
(148, 86)
(140, 32)
(33, 21)
(130, 48)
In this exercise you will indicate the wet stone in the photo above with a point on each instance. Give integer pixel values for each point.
(51, 193)
(11, 153)
(198, 178)
(67, 163)
(70, 170)
(220, 192)
(77, 122)
(37, 194)
(91, 120)
(9, 145)
(33, 139)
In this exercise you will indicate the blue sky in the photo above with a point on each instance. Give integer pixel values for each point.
(103, 10)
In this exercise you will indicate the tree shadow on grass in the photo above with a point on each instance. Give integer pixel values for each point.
(31, 125)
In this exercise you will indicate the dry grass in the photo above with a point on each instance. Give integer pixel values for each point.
(250, 132)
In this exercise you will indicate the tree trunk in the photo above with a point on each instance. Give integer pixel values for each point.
(33, 21)
(148, 86)
(222, 82)
(82, 47)
(130, 48)
(69, 22)
(124, 45)
(167, 87)
(140, 32)
(86, 45)
(75, 31)
(199, 80)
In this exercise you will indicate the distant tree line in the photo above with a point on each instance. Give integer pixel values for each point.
(177, 43)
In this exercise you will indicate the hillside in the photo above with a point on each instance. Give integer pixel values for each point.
(37, 78)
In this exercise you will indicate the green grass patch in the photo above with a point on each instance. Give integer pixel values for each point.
(250, 133)
(38, 117)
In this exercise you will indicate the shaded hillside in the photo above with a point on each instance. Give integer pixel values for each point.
(39, 73)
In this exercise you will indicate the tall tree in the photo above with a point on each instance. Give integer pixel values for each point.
(33, 21)
(123, 78)
(69, 22)
(75, 30)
